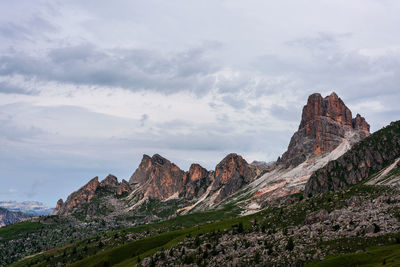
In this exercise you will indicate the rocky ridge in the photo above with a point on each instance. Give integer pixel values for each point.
(89, 191)
(326, 131)
(364, 160)
(156, 178)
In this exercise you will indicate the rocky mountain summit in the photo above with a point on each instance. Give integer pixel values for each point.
(326, 131)
(89, 191)
(325, 123)
(158, 179)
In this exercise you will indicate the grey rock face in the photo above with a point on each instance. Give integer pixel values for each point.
(363, 160)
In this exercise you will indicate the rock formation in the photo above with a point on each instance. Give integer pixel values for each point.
(89, 191)
(60, 203)
(197, 180)
(365, 159)
(231, 174)
(158, 177)
(325, 122)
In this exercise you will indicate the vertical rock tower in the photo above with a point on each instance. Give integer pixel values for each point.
(325, 123)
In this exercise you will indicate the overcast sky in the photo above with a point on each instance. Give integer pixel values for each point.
(88, 87)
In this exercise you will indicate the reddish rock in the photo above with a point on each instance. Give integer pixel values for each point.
(60, 203)
(197, 179)
(359, 123)
(196, 172)
(110, 180)
(323, 127)
(158, 177)
(88, 192)
(123, 188)
(80, 197)
(231, 174)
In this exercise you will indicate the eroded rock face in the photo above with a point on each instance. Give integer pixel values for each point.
(86, 193)
(231, 174)
(124, 188)
(359, 123)
(197, 180)
(159, 177)
(365, 159)
(60, 203)
(323, 127)
(80, 197)
(110, 180)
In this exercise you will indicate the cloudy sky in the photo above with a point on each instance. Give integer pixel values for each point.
(88, 87)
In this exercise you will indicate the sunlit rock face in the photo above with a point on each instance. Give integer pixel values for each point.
(325, 122)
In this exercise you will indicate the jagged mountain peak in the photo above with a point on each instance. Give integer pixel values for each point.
(325, 123)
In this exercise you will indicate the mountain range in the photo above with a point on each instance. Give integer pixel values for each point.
(30, 207)
(326, 131)
(331, 199)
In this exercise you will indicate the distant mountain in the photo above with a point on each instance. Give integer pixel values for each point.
(29, 207)
(8, 217)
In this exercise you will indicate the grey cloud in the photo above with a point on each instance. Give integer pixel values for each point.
(144, 119)
(8, 88)
(30, 30)
(321, 41)
(283, 113)
(234, 101)
(131, 69)
(332, 68)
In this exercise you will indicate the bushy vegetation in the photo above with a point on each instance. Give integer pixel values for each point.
(130, 245)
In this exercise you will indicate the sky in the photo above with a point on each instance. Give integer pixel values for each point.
(88, 87)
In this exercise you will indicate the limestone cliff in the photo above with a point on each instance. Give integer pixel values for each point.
(325, 122)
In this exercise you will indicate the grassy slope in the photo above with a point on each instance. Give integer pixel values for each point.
(165, 234)
(273, 218)
(154, 229)
(375, 256)
(19, 229)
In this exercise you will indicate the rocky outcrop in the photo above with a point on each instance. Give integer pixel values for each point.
(85, 194)
(78, 198)
(363, 160)
(231, 174)
(325, 122)
(110, 181)
(60, 203)
(123, 188)
(359, 123)
(158, 177)
(197, 180)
